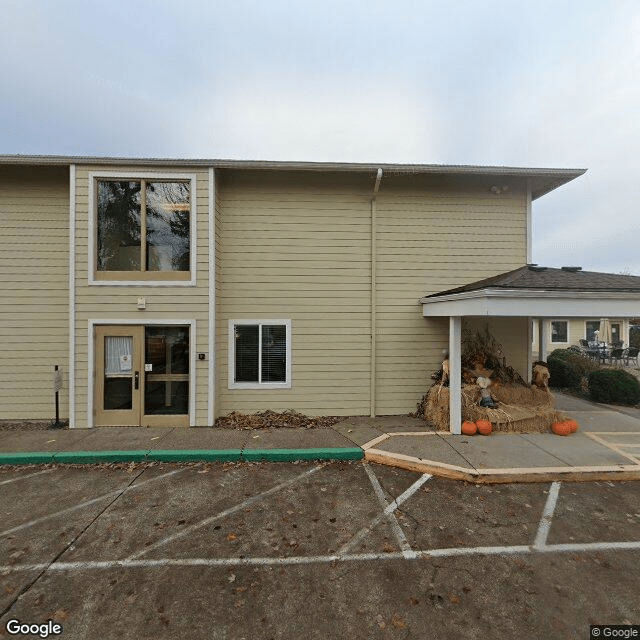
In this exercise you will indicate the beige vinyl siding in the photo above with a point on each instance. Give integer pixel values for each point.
(297, 246)
(434, 234)
(162, 302)
(34, 268)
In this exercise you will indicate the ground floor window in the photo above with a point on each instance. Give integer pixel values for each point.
(559, 331)
(259, 354)
(591, 327)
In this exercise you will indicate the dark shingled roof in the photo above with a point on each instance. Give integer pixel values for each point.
(548, 279)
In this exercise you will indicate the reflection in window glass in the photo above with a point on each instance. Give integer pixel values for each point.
(119, 211)
(247, 355)
(143, 225)
(559, 331)
(592, 327)
(274, 353)
(166, 389)
(168, 213)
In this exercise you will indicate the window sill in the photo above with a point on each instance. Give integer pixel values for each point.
(184, 279)
(260, 385)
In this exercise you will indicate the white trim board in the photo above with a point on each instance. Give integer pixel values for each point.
(142, 175)
(211, 390)
(232, 384)
(93, 322)
(549, 304)
(72, 296)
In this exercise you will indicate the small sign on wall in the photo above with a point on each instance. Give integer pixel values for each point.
(148, 367)
(57, 380)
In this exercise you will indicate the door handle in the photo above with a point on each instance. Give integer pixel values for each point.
(136, 380)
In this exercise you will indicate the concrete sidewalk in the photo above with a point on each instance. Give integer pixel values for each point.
(125, 444)
(607, 446)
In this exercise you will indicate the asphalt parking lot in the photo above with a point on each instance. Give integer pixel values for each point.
(316, 550)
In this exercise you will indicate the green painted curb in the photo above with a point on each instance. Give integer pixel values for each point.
(184, 455)
(289, 455)
(80, 457)
(28, 457)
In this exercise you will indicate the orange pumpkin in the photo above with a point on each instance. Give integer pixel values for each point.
(484, 427)
(573, 424)
(469, 428)
(561, 428)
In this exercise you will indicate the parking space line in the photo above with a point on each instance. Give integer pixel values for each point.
(29, 475)
(403, 497)
(223, 514)
(393, 521)
(591, 546)
(31, 523)
(547, 516)
(614, 447)
(328, 559)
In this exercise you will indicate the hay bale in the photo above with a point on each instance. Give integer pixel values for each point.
(520, 409)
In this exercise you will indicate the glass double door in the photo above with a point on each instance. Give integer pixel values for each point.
(142, 376)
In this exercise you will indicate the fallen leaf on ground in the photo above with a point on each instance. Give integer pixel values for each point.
(231, 536)
(454, 598)
(60, 615)
(398, 622)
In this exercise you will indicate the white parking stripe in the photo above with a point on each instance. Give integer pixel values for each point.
(547, 516)
(403, 497)
(393, 521)
(29, 475)
(223, 514)
(31, 523)
(301, 560)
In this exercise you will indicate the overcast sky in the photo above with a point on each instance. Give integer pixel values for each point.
(544, 83)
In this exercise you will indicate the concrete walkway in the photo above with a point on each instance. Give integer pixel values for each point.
(607, 446)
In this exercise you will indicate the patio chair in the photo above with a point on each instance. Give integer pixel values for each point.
(584, 343)
(615, 356)
(631, 354)
(616, 344)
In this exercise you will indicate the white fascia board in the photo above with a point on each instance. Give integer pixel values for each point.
(565, 304)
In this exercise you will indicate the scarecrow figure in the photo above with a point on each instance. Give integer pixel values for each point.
(540, 375)
(486, 400)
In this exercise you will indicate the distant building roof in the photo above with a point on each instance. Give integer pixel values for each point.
(533, 277)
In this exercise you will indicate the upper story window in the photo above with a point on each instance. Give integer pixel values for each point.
(143, 229)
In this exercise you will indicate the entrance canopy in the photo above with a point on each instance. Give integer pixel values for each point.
(533, 292)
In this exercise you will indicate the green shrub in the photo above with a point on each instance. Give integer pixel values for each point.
(567, 368)
(583, 365)
(562, 375)
(614, 386)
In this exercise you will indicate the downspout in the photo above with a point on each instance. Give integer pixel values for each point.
(372, 391)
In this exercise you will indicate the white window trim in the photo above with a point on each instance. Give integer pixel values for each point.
(551, 340)
(141, 175)
(93, 322)
(232, 356)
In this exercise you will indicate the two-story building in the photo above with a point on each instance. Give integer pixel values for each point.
(170, 292)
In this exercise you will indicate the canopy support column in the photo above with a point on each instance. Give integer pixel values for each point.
(455, 375)
(543, 335)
